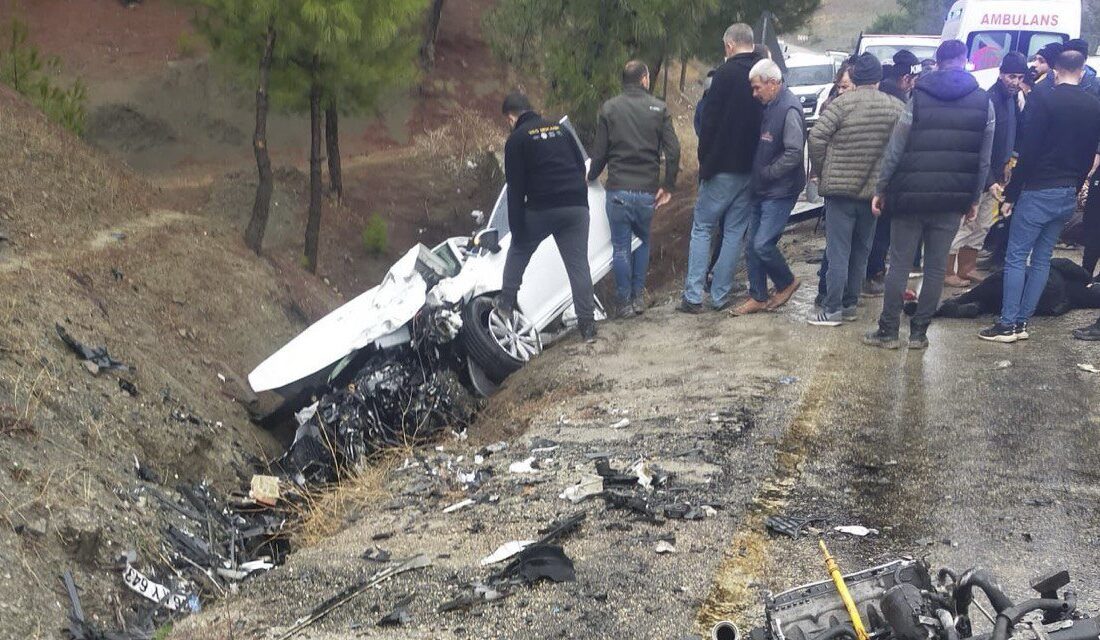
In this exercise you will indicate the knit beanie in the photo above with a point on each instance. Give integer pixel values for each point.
(866, 70)
(1051, 52)
(1079, 45)
(1014, 62)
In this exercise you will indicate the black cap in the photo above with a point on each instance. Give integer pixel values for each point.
(866, 70)
(1080, 45)
(906, 59)
(1051, 52)
(1014, 62)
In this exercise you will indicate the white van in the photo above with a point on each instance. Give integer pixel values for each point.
(992, 28)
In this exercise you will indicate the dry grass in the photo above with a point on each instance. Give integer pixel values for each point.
(322, 513)
(459, 142)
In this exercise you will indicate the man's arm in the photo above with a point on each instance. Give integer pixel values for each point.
(515, 176)
(671, 147)
(599, 146)
(985, 155)
(895, 148)
(821, 135)
(794, 139)
(712, 116)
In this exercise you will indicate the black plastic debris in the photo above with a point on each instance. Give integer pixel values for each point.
(791, 526)
(541, 562)
(129, 388)
(612, 476)
(399, 397)
(97, 357)
(79, 628)
(400, 616)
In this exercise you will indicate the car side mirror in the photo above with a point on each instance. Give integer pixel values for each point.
(487, 239)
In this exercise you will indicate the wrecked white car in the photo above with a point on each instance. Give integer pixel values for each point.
(394, 359)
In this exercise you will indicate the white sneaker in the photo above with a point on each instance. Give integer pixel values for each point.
(825, 319)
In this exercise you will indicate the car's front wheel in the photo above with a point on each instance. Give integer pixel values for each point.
(499, 345)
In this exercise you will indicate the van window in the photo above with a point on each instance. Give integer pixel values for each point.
(1040, 40)
(988, 48)
(885, 52)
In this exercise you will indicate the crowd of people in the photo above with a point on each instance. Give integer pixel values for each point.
(918, 165)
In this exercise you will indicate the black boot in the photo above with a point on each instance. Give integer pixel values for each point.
(883, 338)
(1090, 333)
(918, 335)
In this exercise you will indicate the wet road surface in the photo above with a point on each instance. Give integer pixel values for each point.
(969, 453)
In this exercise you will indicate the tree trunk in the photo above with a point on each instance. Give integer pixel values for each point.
(683, 73)
(332, 148)
(261, 206)
(655, 74)
(427, 50)
(664, 89)
(313, 224)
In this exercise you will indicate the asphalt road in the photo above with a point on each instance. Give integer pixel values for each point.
(970, 453)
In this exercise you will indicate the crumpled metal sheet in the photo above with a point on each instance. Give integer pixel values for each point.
(399, 397)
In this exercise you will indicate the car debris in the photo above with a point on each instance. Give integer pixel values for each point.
(664, 546)
(539, 562)
(900, 601)
(399, 616)
(459, 505)
(588, 486)
(96, 359)
(621, 424)
(1090, 368)
(792, 526)
(347, 595)
(858, 531)
(376, 554)
(506, 551)
(524, 466)
(265, 490)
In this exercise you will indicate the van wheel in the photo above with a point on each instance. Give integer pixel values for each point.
(500, 346)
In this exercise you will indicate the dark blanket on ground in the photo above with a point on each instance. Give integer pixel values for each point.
(1067, 289)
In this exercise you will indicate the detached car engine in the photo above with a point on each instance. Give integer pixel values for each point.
(900, 601)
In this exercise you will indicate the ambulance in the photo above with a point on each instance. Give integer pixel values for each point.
(992, 28)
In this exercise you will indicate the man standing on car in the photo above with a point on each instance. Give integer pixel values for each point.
(968, 241)
(547, 196)
(632, 131)
(1056, 154)
(778, 176)
(727, 146)
(933, 174)
(846, 147)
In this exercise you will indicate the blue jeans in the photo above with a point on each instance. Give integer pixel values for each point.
(630, 214)
(725, 194)
(763, 257)
(849, 232)
(1037, 221)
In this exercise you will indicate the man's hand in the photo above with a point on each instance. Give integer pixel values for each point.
(972, 214)
(876, 205)
(997, 190)
(663, 198)
(1006, 209)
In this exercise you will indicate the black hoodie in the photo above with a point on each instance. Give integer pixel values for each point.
(937, 160)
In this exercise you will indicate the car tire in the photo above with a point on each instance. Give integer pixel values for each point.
(498, 347)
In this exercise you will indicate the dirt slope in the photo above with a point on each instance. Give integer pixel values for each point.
(173, 295)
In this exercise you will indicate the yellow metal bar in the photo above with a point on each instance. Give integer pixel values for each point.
(842, 589)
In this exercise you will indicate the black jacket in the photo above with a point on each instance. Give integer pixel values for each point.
(940, 167)
(544, 169)
(731, 121)
(1059, 141)
(1007, 110)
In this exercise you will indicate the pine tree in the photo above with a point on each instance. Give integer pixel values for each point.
(320, 56)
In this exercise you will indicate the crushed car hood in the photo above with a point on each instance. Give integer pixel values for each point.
(368, 317)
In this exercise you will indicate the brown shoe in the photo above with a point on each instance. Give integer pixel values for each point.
(782, 297)
(752, 305)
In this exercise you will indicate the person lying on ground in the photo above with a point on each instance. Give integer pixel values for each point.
(1068, 288)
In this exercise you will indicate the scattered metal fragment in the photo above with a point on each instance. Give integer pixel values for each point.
(791, 526)
(856, 530)
(460, 505)
(400, 616)
(97, 357)
(376, 554)
(1089, 368)
(540, 562)
(587, 487)
(621, 424)
(524, 466)
(506, 551)
(664, 546)
(347, 595)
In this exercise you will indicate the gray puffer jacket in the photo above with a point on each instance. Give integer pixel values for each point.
(848, 140)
